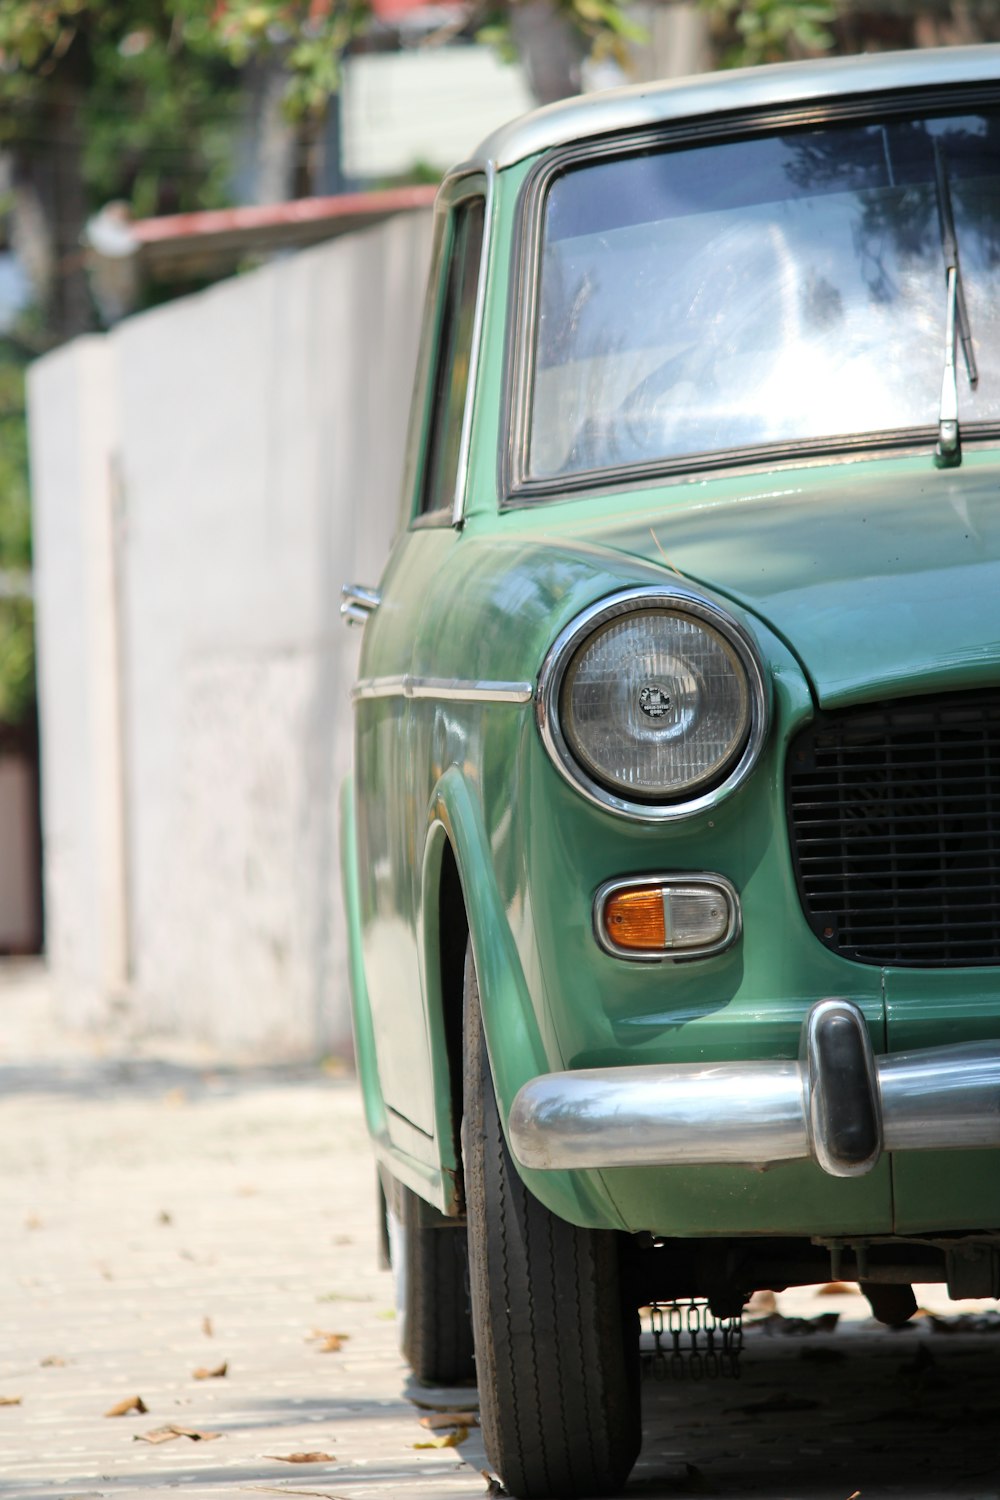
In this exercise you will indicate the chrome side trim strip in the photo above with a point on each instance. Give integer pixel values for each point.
(378, 687)
(444, 689)
(454, 690)
(755, 1113)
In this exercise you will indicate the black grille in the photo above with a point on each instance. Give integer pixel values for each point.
(894, 813)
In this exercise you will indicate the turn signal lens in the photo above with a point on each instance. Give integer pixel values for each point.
(667, 917)
(636, 919)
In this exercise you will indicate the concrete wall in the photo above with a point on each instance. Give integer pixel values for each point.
(205, 478)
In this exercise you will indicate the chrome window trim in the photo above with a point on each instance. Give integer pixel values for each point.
(675, 878)
(443, 689)
(465, 441)
(668, 596)
(471, 180)
(517, 487)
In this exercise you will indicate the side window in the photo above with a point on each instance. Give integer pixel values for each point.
(451, 370)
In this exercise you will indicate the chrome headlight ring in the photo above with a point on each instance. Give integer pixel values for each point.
(736, 646)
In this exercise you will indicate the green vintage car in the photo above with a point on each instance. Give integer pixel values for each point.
(672, 850)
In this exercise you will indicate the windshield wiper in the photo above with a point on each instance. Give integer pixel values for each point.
(949, 448)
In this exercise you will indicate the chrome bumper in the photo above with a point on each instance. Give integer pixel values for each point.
(838, 1104)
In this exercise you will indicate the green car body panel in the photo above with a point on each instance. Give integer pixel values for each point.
(859, 579)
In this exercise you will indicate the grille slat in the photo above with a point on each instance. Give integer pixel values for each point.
(895, 825)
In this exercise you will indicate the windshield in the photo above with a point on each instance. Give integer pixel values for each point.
(777, 290)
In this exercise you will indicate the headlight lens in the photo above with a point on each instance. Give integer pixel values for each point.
(654, 702)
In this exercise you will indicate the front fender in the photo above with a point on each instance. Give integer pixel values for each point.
(513, 1040)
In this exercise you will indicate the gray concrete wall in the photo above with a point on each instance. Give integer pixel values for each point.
(205, 478)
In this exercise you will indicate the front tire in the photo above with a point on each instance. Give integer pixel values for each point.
(557, 1350)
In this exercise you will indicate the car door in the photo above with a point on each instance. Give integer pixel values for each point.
(390, 784)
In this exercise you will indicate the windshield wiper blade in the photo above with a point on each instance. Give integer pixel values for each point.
(949, 448)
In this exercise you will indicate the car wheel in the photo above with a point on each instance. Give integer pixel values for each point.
(557, 1351)
(430, 1274)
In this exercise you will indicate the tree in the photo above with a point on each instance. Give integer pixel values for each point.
(760, 31)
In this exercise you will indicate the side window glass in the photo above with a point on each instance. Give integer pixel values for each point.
(451, 372)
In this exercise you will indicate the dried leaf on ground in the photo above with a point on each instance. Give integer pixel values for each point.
(302, 1458)
(10, 1400)
(166, 1434)
(446, 1439)
(839, 1289)
(438, 1419)
(52, 1362)
(329, 1343)
(164, 1217)
(855, 1496)
(33, 1222)
(206, 1328)
(130, 1404)
(214, 1374)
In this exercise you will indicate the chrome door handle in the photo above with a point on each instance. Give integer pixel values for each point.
(357, 603)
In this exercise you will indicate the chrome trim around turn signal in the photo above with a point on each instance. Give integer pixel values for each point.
(679, 883)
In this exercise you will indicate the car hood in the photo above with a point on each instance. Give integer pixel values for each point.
(878, 577)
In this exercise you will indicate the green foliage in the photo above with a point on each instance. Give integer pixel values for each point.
(15, 506)
(17, 653)
(17, 660)
(773, 30)
(159, 121)
(605, 27)
(156, 99)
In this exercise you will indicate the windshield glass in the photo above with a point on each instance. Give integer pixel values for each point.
(763, 291)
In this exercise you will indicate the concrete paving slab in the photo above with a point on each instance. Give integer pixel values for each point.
(161, 1213)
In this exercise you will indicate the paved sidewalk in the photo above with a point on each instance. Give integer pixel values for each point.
(161, 1215)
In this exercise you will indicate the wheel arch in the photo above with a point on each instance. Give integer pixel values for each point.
(444, 939)
(460, 901)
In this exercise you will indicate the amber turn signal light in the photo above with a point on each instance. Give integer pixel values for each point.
(667, 916)
(635, 919)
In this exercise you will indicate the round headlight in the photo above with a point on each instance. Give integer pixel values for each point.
(653, 702)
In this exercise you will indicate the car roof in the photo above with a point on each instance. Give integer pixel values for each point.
(733, 90)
